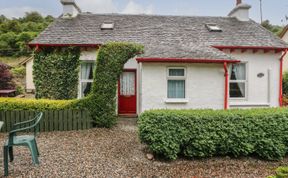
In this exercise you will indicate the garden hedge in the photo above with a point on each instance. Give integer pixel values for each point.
(56, 72)
(285, 84)
(10, 104)
(281, 172)
(206, 133)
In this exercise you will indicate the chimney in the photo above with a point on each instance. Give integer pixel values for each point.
(70, 9)
(241, 11)
(238, 2)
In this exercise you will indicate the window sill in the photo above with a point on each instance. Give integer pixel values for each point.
(172, 101)
(245, 104)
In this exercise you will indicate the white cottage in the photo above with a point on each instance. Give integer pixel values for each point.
(190, 62)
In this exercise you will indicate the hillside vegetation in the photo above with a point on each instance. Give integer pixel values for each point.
(17, 32)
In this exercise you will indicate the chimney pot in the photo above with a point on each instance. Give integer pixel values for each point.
(238, 2)
(241, 12)
(70, 9)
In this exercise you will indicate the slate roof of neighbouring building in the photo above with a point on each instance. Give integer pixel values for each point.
(162, 36)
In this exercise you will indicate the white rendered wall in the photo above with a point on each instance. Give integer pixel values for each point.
(89, 54)
(261, 92)
(285, 62)
(29, 76)
(204, 86)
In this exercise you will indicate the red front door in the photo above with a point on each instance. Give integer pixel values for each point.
(127, 94)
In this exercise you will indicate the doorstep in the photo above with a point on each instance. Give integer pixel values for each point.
(128, 115)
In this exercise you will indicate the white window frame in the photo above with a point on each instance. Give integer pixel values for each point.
(176, 78)
(84, 80)
(240, 81)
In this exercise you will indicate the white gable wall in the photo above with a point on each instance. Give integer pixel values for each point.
(261, 92)
(30, 87)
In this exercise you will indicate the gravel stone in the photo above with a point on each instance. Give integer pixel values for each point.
(117, 152)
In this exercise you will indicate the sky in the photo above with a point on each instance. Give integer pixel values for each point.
(273, 10)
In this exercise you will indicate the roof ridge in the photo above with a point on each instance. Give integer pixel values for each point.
(153, 15)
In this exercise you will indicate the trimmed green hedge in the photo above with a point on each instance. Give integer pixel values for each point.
(10, 104)
(206, 133)
(281, 172)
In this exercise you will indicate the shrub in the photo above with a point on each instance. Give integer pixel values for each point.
(281, 172)
(55, 73)
(19, 72)
(206, 133)
(6, 77)
(101, 102)
(10, 104)
(285, 84)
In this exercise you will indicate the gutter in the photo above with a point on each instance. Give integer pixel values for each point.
(281, 80)
(184, 60)
(250, 47)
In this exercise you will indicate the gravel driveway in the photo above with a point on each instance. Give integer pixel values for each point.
(117, 152)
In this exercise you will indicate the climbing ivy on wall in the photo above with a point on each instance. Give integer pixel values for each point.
(101, 102)
(55, 72)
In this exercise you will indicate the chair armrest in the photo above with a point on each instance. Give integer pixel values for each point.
(24, 122)
(14, 131)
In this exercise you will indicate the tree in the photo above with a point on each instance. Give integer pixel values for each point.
(8, 44)
(3, 19)
(33, 17)
(16, 33)
(6, 77)
(10, 26)
(276, 29)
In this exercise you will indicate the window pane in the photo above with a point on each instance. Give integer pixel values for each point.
(176, 72)
(86, 88)
(127, 84)
(176, 88)
(87, 71)
(237, 90)
(238, 72)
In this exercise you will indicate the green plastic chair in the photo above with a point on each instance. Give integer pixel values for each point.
(22, 140)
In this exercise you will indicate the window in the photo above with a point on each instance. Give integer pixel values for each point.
(107, 26)
(86, 77)
(213, 28)
(176, 83)
(238, 81)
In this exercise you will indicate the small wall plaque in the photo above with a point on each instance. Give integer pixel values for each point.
(260, 75)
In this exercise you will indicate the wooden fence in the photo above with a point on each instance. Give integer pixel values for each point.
(62, 120)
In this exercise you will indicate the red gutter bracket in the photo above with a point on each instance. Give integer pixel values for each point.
(226, 75)
(37, 48)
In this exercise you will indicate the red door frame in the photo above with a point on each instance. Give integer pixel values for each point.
(135, 85)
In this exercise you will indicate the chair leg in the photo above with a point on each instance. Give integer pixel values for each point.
(5, 150)
(11, 153)
(32, 148)
(37, 150)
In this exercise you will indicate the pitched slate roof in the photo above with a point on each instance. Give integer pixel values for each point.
(162, 36)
